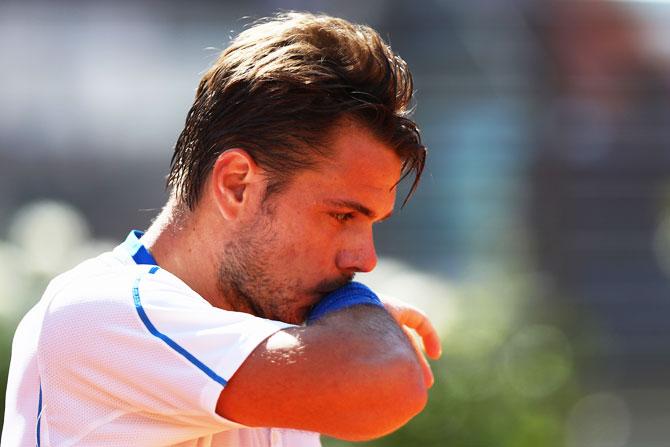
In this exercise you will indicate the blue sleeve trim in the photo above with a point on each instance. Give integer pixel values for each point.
(39, 417)
(171, 343)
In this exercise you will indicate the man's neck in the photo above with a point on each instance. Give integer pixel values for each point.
(179, 247)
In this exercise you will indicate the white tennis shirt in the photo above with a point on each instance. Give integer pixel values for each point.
(119, 352)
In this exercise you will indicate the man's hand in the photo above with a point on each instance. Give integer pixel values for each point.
(412, 318)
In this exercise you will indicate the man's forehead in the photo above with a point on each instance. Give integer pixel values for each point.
(352, 147)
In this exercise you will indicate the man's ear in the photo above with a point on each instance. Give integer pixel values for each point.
(234, 178)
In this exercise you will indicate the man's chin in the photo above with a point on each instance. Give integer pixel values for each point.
(298, 315)
(294, 316)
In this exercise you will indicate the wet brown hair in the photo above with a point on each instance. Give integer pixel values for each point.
(279, 88)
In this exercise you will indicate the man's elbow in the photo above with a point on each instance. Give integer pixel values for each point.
(398, 394)
(407, 393)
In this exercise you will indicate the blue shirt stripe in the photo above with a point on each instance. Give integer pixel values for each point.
(171, 343)
(39, 416)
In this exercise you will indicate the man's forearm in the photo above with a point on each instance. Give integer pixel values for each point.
(369, 331)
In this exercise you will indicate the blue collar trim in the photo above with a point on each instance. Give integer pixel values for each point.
(136, 250)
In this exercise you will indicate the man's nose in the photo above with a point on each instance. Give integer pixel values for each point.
(359, 256)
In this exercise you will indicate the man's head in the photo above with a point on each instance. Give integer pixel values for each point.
(292, 150)
(283, 253)
(277, 90)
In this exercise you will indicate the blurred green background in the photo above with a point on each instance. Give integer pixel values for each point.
(539, 241)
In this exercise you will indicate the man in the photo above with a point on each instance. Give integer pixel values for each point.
(236, 310)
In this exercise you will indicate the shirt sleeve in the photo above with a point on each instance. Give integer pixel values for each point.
(151, 346)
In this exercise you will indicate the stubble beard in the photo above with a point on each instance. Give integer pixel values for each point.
(245, 280)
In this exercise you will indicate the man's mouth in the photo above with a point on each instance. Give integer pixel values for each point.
(330, 285)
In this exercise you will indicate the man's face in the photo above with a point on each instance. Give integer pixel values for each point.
(310, 238)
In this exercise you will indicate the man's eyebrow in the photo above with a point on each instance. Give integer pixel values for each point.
(358, 207)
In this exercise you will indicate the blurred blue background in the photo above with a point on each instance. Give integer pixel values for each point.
(538, 242)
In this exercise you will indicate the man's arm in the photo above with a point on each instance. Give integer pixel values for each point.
(353, 374)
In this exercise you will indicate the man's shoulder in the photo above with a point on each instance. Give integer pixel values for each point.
(107, 298)
(99, 276)
(110, 280)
